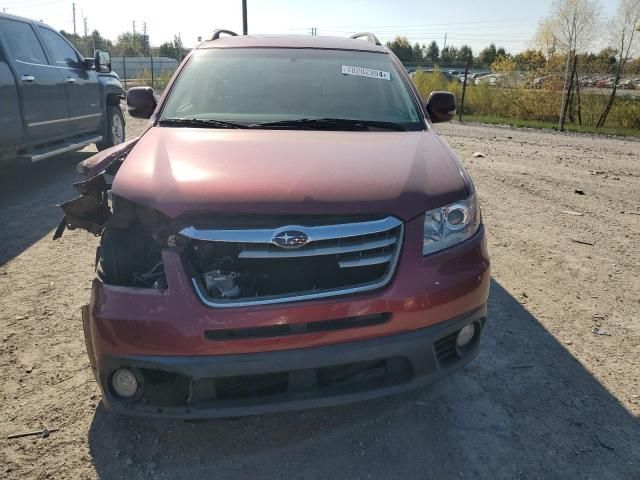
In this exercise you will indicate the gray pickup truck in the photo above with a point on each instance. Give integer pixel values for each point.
(53, 100)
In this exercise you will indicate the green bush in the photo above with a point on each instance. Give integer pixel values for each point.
(159, 81)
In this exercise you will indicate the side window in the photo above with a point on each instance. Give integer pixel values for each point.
(63, 54)
(22, 42)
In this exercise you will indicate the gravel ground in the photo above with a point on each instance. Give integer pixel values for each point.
(555, 392)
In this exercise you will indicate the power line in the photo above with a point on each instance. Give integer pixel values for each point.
(34, 4)
(439, 33)
(422, 29)
(379, 27)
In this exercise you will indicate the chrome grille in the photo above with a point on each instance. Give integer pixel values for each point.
(366, 251)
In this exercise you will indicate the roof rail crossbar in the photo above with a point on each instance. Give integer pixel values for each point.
(216, 33)
(371, 38)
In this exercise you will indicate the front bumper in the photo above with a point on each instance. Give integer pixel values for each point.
(173, 331)
(198, 387)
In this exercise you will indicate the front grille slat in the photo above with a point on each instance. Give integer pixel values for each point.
(317, 233)
(365, 260)
(334, 248)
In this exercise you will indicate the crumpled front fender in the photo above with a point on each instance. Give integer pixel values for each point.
(90, 211)
(97, 164)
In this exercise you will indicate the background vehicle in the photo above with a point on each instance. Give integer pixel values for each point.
(605, 82)
(552, 81)
(53, 99)
(627, 84)
(493, 80)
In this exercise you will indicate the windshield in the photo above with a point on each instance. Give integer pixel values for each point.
(254, 86)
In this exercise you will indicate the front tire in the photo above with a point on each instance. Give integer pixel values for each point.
(115, 128)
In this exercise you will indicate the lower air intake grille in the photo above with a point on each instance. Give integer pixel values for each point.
(446, 349)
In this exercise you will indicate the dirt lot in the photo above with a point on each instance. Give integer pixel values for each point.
(555, 392)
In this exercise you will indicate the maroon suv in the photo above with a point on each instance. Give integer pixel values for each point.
(288, 232)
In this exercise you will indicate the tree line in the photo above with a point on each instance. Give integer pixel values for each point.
(564, 53)
(530, 60)
(449, 54)
(128, 44)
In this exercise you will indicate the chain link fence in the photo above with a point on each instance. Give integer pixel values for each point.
(151, 71)
(525, 96)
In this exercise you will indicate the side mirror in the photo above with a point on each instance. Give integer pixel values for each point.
(441, 106)
(102, 61)
(141, 102)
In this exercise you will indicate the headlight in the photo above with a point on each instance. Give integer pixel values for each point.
(449, 225)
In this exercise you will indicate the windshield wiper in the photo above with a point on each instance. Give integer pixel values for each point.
(199, 123)
(330, 124)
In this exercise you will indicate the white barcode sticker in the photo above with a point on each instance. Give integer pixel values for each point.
(365, 72)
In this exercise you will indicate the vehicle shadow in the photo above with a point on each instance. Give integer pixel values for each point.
(526, 408)
(28, 197)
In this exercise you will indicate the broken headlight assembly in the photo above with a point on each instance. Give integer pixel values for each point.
(447, 226)
(130, 251)
(128, 258)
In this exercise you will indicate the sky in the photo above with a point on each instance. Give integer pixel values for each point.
(507, 23)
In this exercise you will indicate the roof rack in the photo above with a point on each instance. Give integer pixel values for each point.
(371, 38)
(216, 34)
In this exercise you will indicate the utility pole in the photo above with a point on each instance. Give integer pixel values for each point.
(74, 19)
(314, 31)
(464, 85)
(566, 90)
(84, 23)
(144, 38)
(445, 42)
(245, 27)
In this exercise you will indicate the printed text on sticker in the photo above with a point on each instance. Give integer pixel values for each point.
(365, 72)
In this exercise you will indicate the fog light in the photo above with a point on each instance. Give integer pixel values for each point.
(124, 383)
(465, 335)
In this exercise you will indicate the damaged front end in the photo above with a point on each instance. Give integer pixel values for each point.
(130, 250)
(231, 260)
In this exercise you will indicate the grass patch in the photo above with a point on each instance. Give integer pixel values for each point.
(542, 125)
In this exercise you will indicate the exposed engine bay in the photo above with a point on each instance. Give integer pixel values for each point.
(130, 249)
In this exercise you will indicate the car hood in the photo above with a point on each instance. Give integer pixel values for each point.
(190, 170)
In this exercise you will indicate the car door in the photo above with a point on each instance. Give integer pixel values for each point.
(83, 92)
(41, 87)
(10, 117)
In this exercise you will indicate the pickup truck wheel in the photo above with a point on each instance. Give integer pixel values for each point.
(115, 128)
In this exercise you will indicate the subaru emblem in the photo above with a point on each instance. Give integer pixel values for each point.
(290, 239)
